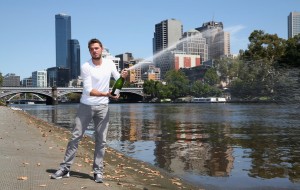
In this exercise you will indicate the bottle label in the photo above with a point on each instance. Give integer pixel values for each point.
(117, 92)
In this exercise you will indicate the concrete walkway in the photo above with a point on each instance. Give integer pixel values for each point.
(30, 150)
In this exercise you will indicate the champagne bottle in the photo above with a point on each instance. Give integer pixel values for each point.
(117, 86)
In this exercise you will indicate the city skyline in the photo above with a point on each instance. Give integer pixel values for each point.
(28, 37)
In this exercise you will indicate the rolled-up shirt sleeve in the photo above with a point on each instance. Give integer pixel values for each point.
(87, 80)
(115, 72)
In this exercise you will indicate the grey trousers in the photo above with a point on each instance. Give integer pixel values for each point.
(86, 113)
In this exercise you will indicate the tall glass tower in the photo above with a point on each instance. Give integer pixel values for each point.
(74, 55)
(293, 24)
(62, 37)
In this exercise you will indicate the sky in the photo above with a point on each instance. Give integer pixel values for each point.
(27, 27)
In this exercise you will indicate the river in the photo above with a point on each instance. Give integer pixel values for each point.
(217, 146)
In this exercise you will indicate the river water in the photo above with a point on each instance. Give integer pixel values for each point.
(215, 146)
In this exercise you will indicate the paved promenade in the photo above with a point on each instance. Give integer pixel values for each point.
(31, 149)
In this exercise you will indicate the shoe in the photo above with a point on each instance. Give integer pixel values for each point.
(98, 178)
(60, 174)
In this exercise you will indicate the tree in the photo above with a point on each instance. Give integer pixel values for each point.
(211, 77)
(292, 52)
(254, 80)
(74, 97)
(264, 46)
(256, 76)
(199, 89)
(177, 83)
(150, 88)
(163, 91)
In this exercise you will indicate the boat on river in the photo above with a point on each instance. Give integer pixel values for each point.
(208, 100)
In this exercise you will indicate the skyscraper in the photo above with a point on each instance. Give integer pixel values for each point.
(293, 24)
(167, 34)
(74, 58)
(218, 41)
(62, 36)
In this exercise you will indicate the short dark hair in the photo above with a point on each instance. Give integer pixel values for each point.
(94, 40)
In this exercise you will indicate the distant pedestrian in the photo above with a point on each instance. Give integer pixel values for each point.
(96, 74)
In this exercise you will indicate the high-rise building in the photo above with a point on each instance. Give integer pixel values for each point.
(218, 41)
(62, 36)
(125, 59)
(293, 24)
(74, 58)
(166, 37)
(27, 82)
(11, 80)
(39, 79)
(67, 51)
(193, 43)
(58, 76)
(167, 34)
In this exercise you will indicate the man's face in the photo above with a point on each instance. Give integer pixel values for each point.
(95, 51)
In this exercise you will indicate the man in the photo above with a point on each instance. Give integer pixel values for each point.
(96, 74)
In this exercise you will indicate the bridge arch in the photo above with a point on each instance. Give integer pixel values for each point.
(34, 94)
(52, 94)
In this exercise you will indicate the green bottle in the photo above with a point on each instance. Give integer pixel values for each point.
(117, 86)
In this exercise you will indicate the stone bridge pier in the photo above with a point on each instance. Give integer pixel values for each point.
(53, 99)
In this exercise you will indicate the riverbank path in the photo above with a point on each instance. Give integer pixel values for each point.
(30, 151)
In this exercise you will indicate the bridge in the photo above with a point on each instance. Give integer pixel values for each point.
(52, 93)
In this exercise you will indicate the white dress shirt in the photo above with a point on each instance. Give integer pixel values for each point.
(97, 77)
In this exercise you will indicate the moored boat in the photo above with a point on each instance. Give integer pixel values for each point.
(208, 100)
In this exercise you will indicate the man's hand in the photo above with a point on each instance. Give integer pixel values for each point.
(113, 97)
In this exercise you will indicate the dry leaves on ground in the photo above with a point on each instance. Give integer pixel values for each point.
(23, 178)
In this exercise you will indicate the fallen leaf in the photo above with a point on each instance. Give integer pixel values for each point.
(22, 178)
(43, 185)
(119, 183)
(154, 184)
(177, 183)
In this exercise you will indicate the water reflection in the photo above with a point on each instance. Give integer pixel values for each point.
(248, 146)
